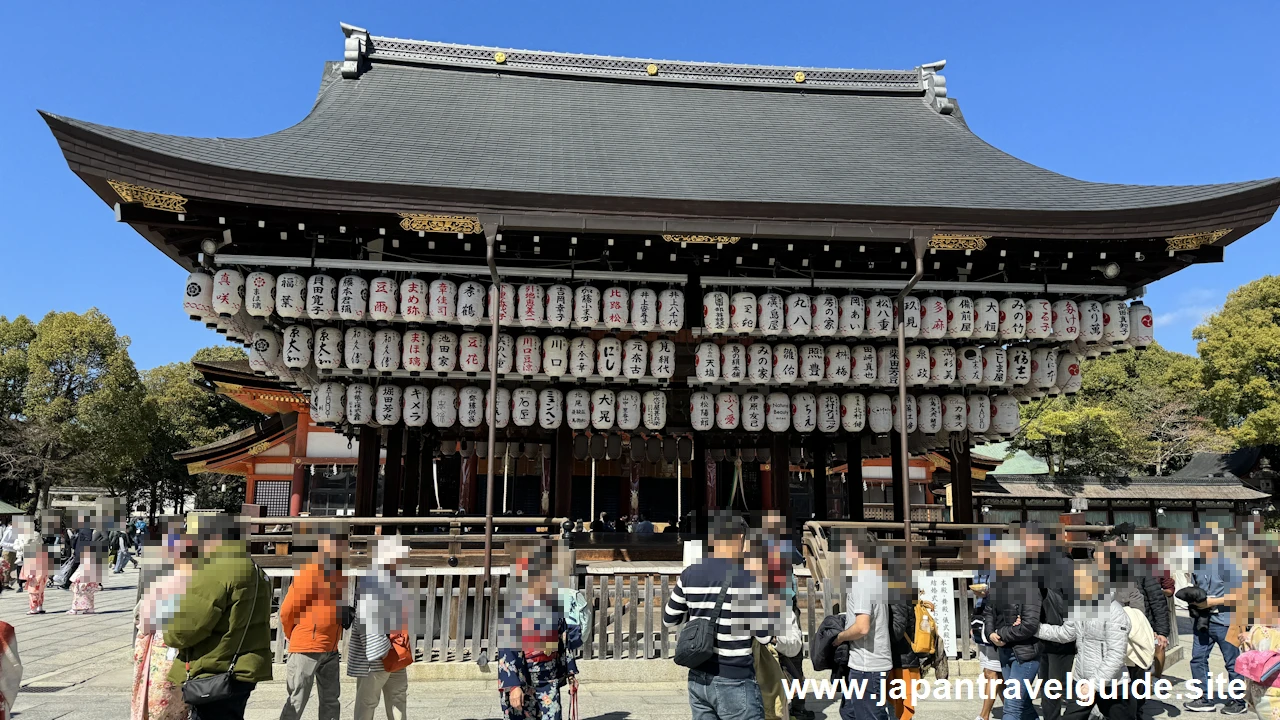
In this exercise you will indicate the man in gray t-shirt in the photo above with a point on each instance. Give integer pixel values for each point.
(867, 632)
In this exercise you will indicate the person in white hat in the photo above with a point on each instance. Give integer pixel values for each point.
(379, 650)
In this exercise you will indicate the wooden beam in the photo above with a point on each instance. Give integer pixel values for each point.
(853, 481)
(393, 471)
(412, 479)
(367, 472)
(895, 450)
(818, 484)
(563, 461)
(961, 479)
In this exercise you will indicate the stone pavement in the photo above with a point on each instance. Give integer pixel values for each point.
(80, 668)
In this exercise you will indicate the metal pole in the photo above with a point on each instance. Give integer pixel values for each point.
(491, 235)
(917, 247)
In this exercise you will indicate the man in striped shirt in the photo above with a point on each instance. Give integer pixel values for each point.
(724, 687)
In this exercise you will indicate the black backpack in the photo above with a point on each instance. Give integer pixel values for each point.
(697, 641)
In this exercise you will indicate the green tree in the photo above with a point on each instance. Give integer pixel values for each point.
(1240, 347)
(1080, 439)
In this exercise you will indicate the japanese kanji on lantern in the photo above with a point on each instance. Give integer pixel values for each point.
(969, 366)
(1019, 366)
(197, 300)
(799, 314)
(387, 405)
(917, 365)
(505, 353)
(986, 318)
(933, 321)
(353, 298)
(879, 413)
(416, 352)
(559, 310)
(635, 358)
(753, 411)
(837, 363)
(954, 412)
(898, 415)
(778, 413)
(742, 312)
(879, 316)
(1044, 367)
(1066, 320)
(813, 360)
(959, 317)
(444, 351)
(473, 352)
(524, 407)
(577, 409)
(328, 349)
(1115, 322)
(715, 312)
(1091, 324)
(532, 306)
(929, 414)
(786, 363)
(328, 403)
(826, 315)
(702, 410)
(414, 301)
(1039, 319)
(550, 408)
(582, 357)
(586, 307)
(296, 347)
(359, 403)
(759, 363)
(670, 310)
(912, 317)
(444, 406)
(1141, 325)
(887, 366)
(771, 314)
(263, 351)
(528, 355)
(291, 295)
(662, 358)
(828, 412)
(260, 294)
(501, 408)
(804, 412)
(994, 364)
(414, 409)
(358, 349)
(853, 412)
(726, 410)
(862, 364)
(322, 297)
(609, 357)
(853, 316)
(1013, 319)
(628, 410)
(615, 307)
(1004, 415)
(471, 304)
(228, 292)
(654, 409)
(604, 408)
(502, 304)
(706, 362)
(471, 407)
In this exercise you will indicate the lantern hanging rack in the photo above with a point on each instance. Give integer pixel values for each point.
(799, 282)
(470, 270)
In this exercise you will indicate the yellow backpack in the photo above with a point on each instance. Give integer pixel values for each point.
(925, 641)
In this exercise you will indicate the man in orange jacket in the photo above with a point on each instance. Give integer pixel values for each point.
(311, 618)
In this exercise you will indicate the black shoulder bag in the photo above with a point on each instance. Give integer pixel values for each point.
(215, 688)
(697, 641)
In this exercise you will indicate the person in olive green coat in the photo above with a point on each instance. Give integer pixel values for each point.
(219, 613)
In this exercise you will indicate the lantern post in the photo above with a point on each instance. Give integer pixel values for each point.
(917, 248)
(491, 235)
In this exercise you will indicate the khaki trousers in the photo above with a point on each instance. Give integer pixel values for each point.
(392, 688)
(304, 669)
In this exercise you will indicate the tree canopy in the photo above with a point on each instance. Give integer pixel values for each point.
(1240, 349)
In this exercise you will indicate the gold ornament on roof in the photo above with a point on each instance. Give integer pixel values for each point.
(949, 241)
(196, 468)
(702, 239)
(149, 197)
(799, 76)
(1193, 241)
(423, 222)
(651, 69)
(499, 57)
(258, 448)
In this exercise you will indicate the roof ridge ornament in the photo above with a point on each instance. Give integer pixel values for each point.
(1193, 241)
(149, 197)
(355, 53)
(935, 88)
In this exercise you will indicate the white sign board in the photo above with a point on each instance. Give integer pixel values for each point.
(938, 587)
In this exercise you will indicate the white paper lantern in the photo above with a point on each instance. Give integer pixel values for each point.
(786, 363)
(879, 413)
(912, 316)
(609, 357)
(853, 316)
(955, 413)
(524, 407)
(1013, 319)
(929, 414)
(559, 310)
(799, 313)
(654, 410)
(1004, 415)
(715, 312)
(828, 412)
(617, 307)
(386, 405)
(759, 363)
(360, 404)
(264, 351)
(550, 408)
(328, 349)
(1039, 319)
(1044, 368)
(933, 322)
(853, 412)
(1141, 325)
(414, 303)
(353, 298)
(959, 317)
(415, 411)
(1019, 372)
(291, 295)
(662, 358)
(1091, 322)
(670, 310)
(328, 403)
(754, 410)
(887, 366)
(994, 366)
(742, 312)
(778, 414)
(727, 416)
(771, 315)
(862, 365)
(917, 365)
(582, 357)
(444, 351)
(530, 305)
(444, 406)
(969, 366)
(260, 294)
(910, 414)
(357, 350)
(628, 410)
(733, 362)
(228, 292)
(813, 360)
(471, 407)
(501, 407)
(604, 409)
(702, 410)
(837, 364)
(706, 362)
(528, 355)
(978, 417)
(635, 355)
(577, 409)
(826, 315)
(555, 355)
(1066, 320)
(502, 304)
(1115, 322)
(472, 352)
(382, 299)
(197, 298)
(471, 303)
(986, 318)
(506, 354)
(1069, 376)
(416, 351)
(644, 310)
(804, 412)
(296, 347)
(586, 307)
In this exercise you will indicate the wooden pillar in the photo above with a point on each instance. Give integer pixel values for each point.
(250, 489)
(467, 483)
(895, 443)
(393, 471)
(767, 499)
(961, 479)
(563, 461)
(367, 471)
(853, 482)
(412, 485)
(819, 486)
(297, 488)
(545, 505)
(633, 488)
(780, 472)
(704, 494)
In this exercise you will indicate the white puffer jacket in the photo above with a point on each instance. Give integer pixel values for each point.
(1101, 635)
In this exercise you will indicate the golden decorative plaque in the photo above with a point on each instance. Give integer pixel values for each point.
(948, 241)
(422, 222)
(702, 239)
(1193, 241)
(149, 197)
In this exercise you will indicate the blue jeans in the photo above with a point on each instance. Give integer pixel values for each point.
(1018, 671)
(719, 698)
(870, 706)
(1201, 647)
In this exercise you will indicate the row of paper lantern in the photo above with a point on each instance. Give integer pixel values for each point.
(852, 412)
(930, 318)
(413, 300)
(445, 406)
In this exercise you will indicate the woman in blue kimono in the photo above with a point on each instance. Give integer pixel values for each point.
(535, 643)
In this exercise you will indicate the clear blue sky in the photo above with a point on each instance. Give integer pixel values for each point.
(1154, 93)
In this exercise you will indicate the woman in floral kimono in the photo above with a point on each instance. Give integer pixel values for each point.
(35, 573)
(155, 697)
(535, 643)
(86, 581)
